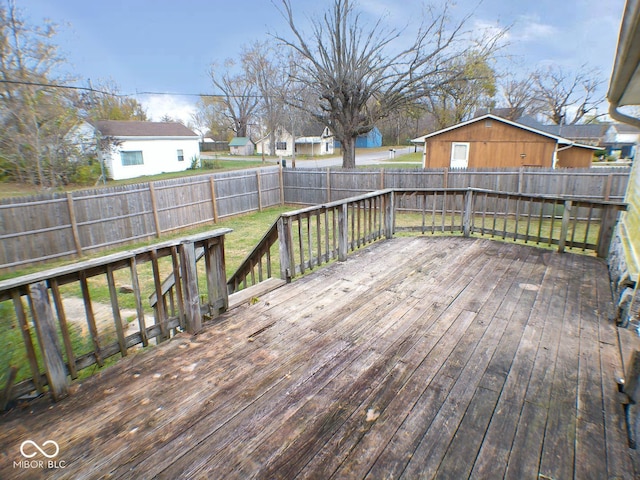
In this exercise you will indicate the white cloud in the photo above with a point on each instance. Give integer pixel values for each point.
(178, 107)
(528, 28)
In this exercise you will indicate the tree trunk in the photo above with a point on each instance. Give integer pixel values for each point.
(349, 152)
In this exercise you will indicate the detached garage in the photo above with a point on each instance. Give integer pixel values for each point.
(493, 142)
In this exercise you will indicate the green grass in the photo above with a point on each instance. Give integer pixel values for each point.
(247, 231)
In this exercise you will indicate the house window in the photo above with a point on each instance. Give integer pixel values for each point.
(131, 158)
(281, 145)
(180, 155)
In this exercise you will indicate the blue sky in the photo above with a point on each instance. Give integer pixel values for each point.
(168, 45)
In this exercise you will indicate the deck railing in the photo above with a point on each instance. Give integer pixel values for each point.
(58, 344)
(304, 239)
(52, 349)
(307, 238)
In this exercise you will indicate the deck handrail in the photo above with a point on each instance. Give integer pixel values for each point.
(51, 364)
(314, 235)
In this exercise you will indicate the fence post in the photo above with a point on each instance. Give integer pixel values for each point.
(259, 190)
(607, 225)
(281, 178)
(154, 208)
(328, 184)
(343, 232)
(520, 179)
(74, 224)
(284, 245)
(48, 339)
(190, 287)
(214, 204)
(389, 212)
(564, 230)
(467, 219)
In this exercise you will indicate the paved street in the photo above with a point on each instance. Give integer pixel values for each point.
(363, 157)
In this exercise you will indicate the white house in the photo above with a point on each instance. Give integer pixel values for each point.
(314, 139)
(132, 149)
(620, 140)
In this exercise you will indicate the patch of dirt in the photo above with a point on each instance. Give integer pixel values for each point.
(75, 313)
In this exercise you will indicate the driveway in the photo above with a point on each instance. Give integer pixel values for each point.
(363, 157)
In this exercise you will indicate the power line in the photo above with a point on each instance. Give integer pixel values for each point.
(93, 90)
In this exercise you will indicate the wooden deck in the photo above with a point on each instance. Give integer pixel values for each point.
(418, 357)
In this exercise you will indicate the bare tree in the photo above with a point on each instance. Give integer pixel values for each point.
(268, 70)
(239, 95)
(519, 96)
(567, 97)
(361, 74)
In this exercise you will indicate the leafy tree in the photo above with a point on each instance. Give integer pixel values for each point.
(361, 74)
(105, 102)
(35, 117)
(210, 118)
(471, 85)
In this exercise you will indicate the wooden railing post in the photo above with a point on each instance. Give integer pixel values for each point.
(607, 225)
(190, 287)
(467, 218)
(564, 230)
(343, 232)
(389, 212)
(55, 368)
(216, 276)
(285, 248)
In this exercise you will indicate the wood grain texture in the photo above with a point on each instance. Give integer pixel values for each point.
(417, 357)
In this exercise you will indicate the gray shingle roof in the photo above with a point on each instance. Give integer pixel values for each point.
(124, 128)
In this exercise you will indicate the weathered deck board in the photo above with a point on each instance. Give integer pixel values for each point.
(429, 357)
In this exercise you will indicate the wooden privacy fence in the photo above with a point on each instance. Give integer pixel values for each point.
(45, 313)
(57, 225)
(313, 187)
(307, 238)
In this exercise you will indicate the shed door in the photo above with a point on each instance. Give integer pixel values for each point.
(459, 155)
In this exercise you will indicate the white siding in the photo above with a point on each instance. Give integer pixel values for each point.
(159, 156)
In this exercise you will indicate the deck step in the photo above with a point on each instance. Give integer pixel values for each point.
(255, 291)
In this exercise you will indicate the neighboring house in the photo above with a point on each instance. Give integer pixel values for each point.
(620, 140)
(314, 139)
(372, 139)
(132, 149)
(490, 141)
(241, 146)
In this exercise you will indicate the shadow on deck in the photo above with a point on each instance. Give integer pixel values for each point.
(430, 357)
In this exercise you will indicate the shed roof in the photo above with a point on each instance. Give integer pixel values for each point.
(239, 141)
(130, 128)
(557, 138)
